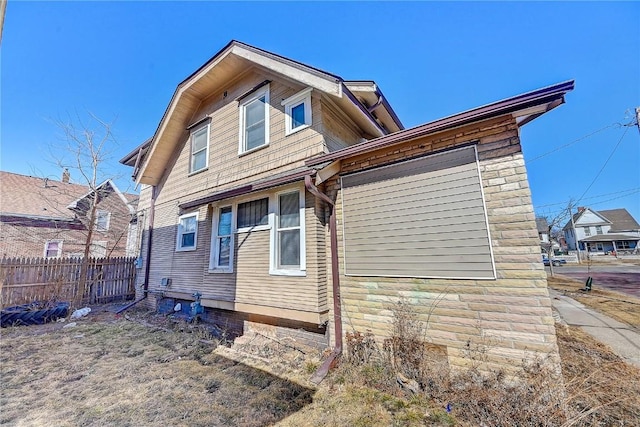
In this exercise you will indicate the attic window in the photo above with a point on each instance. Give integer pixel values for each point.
(102, 220)
(254, 121)
(199, 149)
(297, 109)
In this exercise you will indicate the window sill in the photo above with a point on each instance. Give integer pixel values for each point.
(251, 229)
(220, 271)
(293, 273)
(244, 153)
(198, 171)
(296, 130)
(185, 249)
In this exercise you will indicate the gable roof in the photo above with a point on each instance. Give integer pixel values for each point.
(621, 220)
(525, 108)
(42, 198)
(542, 225)
(234, 58)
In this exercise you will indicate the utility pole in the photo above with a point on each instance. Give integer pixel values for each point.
(575, 234)
(638, 118)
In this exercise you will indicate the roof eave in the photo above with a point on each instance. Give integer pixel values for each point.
(549, 95)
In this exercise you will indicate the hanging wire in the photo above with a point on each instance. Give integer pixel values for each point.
(605, 164)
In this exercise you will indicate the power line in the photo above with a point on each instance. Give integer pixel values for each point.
(552, 213)
(603, 166)
(634, 190)
(572, 142)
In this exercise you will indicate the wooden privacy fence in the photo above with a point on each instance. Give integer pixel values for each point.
(25, 280)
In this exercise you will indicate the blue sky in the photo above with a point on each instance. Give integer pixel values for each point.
(122, 61)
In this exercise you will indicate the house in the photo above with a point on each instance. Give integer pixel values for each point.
(604, 231)
(546, 241)
(295, 202)
(41, 217)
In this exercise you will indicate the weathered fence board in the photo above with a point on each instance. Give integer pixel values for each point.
(25, 280)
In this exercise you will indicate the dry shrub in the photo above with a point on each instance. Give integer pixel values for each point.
(474, 396)
(601, 389)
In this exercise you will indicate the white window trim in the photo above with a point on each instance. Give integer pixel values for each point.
(241, 140)
(273, 250)
(302, 97)
(46, 245)
(179, 233)
(106, 228)
(206, 149)
(214, 255)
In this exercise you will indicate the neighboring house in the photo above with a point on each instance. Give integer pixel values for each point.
(40, 217)
(546, 241)
(543, 229)
(292, 198)
(602, 231)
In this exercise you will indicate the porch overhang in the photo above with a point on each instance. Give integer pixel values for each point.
(264, 184)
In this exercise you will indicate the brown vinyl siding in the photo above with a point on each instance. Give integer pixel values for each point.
(227, 169)
(338, 130)
(419, 218)
(250, 282)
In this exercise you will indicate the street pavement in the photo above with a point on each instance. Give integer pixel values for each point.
(623, 339)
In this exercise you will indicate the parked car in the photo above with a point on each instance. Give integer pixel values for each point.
(554, 261)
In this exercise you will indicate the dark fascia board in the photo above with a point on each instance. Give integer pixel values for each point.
(506, 106)
(378, 92)
(133, 154)
(249, 188)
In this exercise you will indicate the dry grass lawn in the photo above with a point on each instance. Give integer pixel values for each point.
(622, 307)
(109, 371)
(122, 373)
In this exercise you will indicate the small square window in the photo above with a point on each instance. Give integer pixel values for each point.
(598, 229)
(297, 109)
(53, 249)
(187, 232)
(587, 231)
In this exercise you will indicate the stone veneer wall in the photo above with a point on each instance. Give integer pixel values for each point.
(509, 317)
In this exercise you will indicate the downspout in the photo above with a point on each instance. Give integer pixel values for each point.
(330, 361)
(147, 267)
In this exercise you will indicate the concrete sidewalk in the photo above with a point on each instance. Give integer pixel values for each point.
(623, 339)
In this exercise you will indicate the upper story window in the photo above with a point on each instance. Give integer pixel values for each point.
(199, 149)
(254, 121)
(53, 248)
(103, 218)
(587, 231)
(253, 213)
(187, 232)
(297, 109)
(598, 229)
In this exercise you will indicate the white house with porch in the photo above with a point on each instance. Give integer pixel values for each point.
(605, 231)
